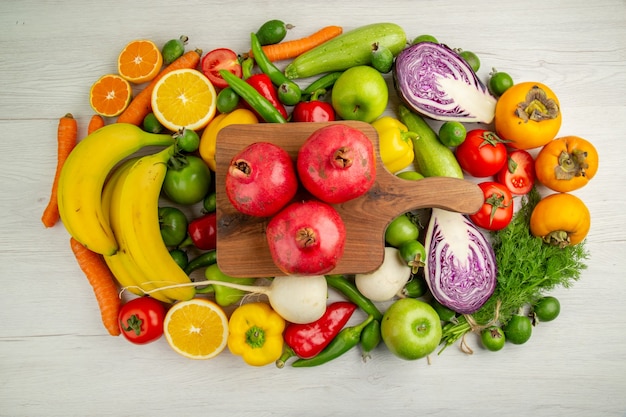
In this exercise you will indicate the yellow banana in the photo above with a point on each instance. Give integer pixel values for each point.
(83, 176)
(140, 230)
(121, 264)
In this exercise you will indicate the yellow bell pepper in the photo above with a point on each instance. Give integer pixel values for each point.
(256, 333)
(395, 142)
(209, 136)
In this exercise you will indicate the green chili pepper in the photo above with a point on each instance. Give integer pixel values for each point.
(201, 261)
(351, 292)
(370, 338)
(324, 82)
(276, 75)
(266, 110)
(347, 338)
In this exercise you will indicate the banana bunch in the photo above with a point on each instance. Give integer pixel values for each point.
(108, 201)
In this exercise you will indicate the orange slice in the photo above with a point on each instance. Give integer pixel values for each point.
(184, 98)
(196, 329)
(139, 61)
(110, 95)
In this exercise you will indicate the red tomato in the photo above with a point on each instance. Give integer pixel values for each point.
(518, 174)
(141, 320)
(482, 153)
(218, 59)
(497, 211)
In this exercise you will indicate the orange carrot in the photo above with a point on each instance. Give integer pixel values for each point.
(140, 105)
(103, 283)
(67, 135)
(291, 49)
(95, 123)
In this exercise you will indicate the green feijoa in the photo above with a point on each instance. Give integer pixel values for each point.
(174, 49)
(382, 58)
(272, 31)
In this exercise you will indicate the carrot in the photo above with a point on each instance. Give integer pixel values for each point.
(95, 123)
(140, 105)
(67, 135)
(103, 283)
(291, 49)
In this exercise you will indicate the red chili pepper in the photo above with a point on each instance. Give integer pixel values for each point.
(203, 231)
(313, 110)
(263, 84)
(307, 340)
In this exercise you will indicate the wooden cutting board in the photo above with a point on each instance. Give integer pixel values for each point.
(242, 249)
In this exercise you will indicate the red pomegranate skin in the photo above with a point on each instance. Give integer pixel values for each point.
(306, 238)
(337, 163)
(261, 179)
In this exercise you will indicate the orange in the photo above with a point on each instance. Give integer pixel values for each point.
(196, 329)
(139, 61)
(110, 95)
(184, 98)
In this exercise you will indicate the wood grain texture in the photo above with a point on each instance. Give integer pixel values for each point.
(242, 248)
(57, 360)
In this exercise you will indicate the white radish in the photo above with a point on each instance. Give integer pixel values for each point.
(296, 298)
(385, 282)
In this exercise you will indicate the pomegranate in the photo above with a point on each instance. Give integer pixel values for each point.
(337, 163)
(306, 238)
(261, 179)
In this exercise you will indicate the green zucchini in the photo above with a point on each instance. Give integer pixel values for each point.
(432, 158)
(347, 50)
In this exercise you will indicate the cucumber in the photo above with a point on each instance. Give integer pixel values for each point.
(432, 158)
(347, 50)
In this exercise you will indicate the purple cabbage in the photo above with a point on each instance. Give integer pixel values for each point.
(461, 266)
(433, 80)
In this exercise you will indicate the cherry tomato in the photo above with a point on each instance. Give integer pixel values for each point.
(141, 320)
(492, 338)
(218, 59)
(497, 211)
(482, 153)
(188, 183)
(518, 174)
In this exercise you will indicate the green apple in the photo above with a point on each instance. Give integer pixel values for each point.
(360, 93)
(411, 329)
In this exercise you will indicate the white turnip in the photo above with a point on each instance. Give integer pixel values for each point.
(388, 280)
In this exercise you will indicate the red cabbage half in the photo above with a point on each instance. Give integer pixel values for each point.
(461, 266)
(435, 81)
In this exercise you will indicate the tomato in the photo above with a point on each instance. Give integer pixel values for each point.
(497, 211)
(566, 163)
(518, 174)
(546, 308)
(173, 224)
(518, 329)
(492, 338)
(482, 153)
(218, 59)
(400, 230)
(141, 320)
(188, 183)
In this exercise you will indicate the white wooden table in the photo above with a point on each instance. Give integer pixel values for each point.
(56, 358)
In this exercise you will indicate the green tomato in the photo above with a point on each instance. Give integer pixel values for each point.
(187, 140)
(518, 330)
(180, 257)
(210, 202)
(492, 338)
(189, 183)
(400, 230)
(227, 100)
(452, 133)
(173, 224)
(499, 82)
(547, 309)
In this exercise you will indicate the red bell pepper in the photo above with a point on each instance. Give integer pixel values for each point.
(263, 84)
(313, 110)
(307, 340)
(203, 231)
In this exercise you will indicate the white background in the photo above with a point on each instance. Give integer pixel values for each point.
(56, 359)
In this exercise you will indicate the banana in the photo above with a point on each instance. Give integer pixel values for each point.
(121, 264)
(83, 176)
(139, 226)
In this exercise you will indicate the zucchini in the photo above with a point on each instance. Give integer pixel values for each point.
(432, 158)
(347, 50)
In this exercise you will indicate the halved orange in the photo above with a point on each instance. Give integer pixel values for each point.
(184, 98)
(196, 329)
(140, 61)
(110, 95)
